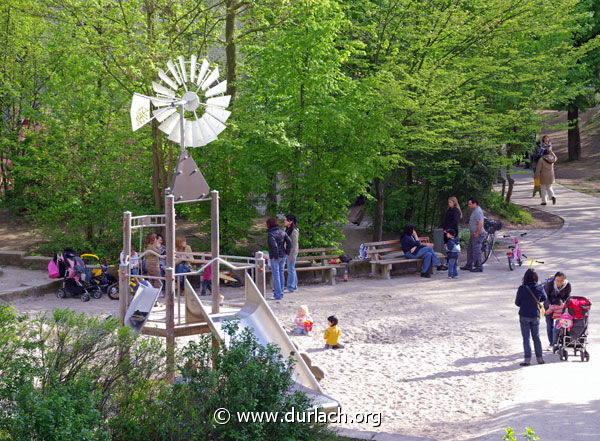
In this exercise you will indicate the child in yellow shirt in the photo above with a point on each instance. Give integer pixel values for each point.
(332, 334)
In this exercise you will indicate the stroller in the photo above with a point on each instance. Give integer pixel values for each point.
(572, 327)
(77, 279)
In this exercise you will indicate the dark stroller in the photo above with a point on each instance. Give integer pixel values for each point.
(77, 279)
(572, 327)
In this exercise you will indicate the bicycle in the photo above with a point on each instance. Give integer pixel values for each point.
(532, 261)
(514, 255)
(487, 247)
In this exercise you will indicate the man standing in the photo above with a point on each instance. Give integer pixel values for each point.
(476, 239)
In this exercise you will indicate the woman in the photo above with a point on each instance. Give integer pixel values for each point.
(558, 289)
(452, 216)
(545, 173)
(291, 229)
(414, 250)
(528, 296)
(277, 242)
(182, 260)
(152, 264)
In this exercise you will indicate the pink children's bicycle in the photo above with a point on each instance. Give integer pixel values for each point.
(515, 257)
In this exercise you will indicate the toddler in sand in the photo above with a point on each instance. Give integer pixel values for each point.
(332, 334)
(303, 322)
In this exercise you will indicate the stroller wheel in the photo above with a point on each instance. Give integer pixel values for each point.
(564, 355)
(85, 297)
(586, 355)
(113, 291)
(97, 293)
(61, 293)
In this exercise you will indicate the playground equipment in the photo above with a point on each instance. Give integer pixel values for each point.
(189, 185)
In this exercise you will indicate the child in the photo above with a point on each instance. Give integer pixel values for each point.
(554, 311)
(332, 334)
(302, 321)
(206, 280)
(453, 250)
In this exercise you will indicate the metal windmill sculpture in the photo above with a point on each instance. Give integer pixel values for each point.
(191, 108)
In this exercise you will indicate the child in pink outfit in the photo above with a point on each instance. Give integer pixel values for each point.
(555, 312)
(207, 280)
(301, 320)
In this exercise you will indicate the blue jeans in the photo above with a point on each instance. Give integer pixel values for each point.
(531, 327)
(474, 251)
(428, 256)
(277, 269)
(452, 267)
(182, 268)
(299, 331)
(206, 284)
(292, 280)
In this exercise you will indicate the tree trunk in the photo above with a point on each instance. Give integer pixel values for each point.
(408, 212)
(230, 50)
(378, 215)
(574, 140)
(511, 184)
(156, 181)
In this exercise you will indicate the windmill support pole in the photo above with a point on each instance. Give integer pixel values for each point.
(123, 277)
(170, 284)
(214, 246)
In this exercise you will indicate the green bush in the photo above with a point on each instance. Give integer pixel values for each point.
(494, 203)
(528, 435)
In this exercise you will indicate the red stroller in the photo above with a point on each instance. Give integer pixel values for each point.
(572, 328)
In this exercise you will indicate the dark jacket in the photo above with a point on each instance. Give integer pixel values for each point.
(527, 305)
(555, 296)
(451, 219)
(277, 242)
(453, 247)
(408, 242)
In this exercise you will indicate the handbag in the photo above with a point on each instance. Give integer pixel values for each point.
(536, 182)
(540, 305)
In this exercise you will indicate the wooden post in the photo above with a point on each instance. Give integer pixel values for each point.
(169, 284)
(261, 277)
(214, 245)
(123, 270)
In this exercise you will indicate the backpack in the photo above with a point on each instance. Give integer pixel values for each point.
(362, 252)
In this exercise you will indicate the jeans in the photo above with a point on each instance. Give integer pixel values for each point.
(531, 326)
(299, 331)
(277, 269)
(474, 251)
(292, 280)
(206, 284)
(551, 329)
(428, 256)
(452, 267)
(182, 268)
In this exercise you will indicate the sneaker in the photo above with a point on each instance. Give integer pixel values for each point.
(540, 360)
(426, 275)
(553, 200)
(549, 348)
(455, 277)
(476, 270)
(450, 277)
(525, 363)
(288, 290)
(275, 298)
(543, 203)
(442, 267)
(466, 268)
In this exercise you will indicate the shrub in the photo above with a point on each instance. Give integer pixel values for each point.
(509, 211)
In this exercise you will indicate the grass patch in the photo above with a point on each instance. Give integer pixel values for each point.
(513, 213)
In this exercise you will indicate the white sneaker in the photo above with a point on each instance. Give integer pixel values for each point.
(549, 348)
(273, 298)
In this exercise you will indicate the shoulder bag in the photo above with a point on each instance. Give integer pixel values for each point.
(540, 305)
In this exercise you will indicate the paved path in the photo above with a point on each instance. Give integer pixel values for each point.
(561, 400)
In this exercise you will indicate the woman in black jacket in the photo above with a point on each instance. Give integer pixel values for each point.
(528, 296)
(452, 216)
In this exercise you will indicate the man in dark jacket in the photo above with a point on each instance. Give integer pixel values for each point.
(558, 289)
(528, 296)
(277, 242)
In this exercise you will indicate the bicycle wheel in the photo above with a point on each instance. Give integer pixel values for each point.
(511, 263)
(486, 248)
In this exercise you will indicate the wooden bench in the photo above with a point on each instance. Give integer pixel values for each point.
(383, 255)
(317, 259)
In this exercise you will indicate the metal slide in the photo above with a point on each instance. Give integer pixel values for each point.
(257, 315)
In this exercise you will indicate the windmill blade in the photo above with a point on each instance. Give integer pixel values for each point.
(220, 101)
(203, 70)
(198, 139)
(161, 114)
(214, 76)
(161, 102)
(218, 113)
(216, 126)
(159, 88)
(193, 60)
(163, 76)
(218, 89)
(182, 66)
(168, 125)
(207, 133)
(140, 111)
(173, 71)
(175, 134)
